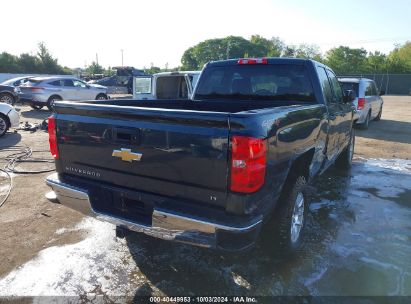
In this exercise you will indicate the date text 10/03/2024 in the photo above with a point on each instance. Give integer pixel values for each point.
(234, 299)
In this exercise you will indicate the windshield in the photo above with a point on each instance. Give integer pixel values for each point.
(256, 82)
(8, 82)
(350, 86)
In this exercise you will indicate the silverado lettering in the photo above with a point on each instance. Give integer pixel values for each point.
(82, 171)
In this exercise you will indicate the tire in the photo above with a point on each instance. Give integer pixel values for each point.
(36, 107)
(378, 117)
(293, 217)
(344, 160)
(4, 124)
(7, 98)
(366, 123)
(52, 100)
(101, 97)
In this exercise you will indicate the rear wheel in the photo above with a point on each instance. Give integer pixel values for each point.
(52, 100)
(4, 124)
(7, 98)
(101, 97)
(293, 217)
(366, 123)
(379, 115)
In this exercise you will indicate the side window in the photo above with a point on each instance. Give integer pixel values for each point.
(79, 84)
(369, 89)
(68, 83)
(325, 84)
(55, 83)
(337, 91)
(375, 90)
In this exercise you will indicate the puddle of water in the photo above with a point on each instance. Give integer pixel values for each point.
(97, 261)
(358, 243)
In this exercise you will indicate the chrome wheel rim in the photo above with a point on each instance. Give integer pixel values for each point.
(3, 126)
(101, 98)
(297, 218)
(6, 99)
(52, 102)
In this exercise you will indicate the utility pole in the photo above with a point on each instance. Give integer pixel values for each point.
(122, 62)
(96, 58)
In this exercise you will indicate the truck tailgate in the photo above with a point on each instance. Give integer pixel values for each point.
(174, 153)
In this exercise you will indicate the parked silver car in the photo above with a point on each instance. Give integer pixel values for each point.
(44, 91)
(368, 103)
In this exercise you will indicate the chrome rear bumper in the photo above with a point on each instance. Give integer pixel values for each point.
(165, 225)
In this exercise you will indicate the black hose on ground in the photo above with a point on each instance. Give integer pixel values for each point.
(21, 154)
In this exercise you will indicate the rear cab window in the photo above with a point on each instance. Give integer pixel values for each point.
(142, 85)
(269, 82)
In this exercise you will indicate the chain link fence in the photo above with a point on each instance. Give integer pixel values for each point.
(392, 84)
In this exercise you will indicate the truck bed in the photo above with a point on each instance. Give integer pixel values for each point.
(201, 106)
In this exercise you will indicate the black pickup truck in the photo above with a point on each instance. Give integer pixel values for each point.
(211, 170)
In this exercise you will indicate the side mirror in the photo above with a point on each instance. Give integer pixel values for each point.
(349, 96)
(382, 92)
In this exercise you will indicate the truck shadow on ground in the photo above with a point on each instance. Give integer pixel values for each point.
(388, 130)
(9, 139)
(36, 114)
(178, 269)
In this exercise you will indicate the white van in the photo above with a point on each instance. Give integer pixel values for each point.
(166, 85)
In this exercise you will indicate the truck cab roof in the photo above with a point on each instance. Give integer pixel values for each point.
(353, 79)
(177, 73)
(270, 60)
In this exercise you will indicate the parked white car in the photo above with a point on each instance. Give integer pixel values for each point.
(368, 103)
(9, 118)
(166, 85)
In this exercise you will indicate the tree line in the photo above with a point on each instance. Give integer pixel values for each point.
(41, 63)
(342, 59)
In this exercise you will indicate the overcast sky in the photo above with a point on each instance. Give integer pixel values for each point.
(159, 31)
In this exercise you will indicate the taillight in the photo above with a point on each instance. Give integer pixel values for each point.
(53, 137)
(252, 61)
(34, 89)
(248, 162)
(361, 103)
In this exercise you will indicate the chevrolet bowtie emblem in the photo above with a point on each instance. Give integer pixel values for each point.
(127, 155)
